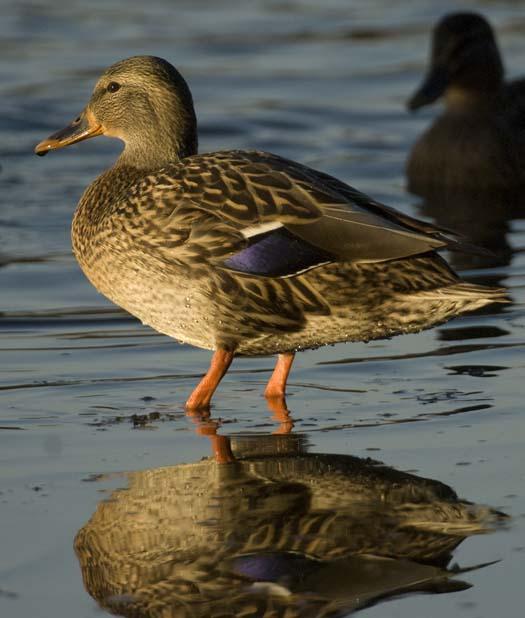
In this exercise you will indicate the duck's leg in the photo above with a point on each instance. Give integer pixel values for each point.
(276, 387)
(201, 396)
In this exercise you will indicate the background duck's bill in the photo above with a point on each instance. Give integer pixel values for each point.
(432, 88)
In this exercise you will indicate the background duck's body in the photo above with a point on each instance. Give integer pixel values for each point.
(478, 141)
(244, 252)
(467, 148)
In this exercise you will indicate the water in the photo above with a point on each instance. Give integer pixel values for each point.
(87, 393)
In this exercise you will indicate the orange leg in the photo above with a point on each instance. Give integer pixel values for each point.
(276, 387)
(201, 396)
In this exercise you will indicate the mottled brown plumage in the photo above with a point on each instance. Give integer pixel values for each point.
(244, 252)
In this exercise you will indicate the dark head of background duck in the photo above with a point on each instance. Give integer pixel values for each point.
(464, 56)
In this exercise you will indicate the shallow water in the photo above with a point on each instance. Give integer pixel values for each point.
(89, 394)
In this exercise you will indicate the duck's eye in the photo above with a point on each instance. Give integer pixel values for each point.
(113, 87)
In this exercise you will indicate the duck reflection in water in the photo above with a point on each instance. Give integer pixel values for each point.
(277, 532)
(484, 217)
(205, 425)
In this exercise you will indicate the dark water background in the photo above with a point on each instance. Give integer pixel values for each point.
(320, 82)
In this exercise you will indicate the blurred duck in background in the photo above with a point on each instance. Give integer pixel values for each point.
(477, 142)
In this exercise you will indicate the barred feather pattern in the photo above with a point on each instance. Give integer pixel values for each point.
(156, 244)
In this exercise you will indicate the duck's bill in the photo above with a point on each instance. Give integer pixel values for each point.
(83, 127)
(431, 89)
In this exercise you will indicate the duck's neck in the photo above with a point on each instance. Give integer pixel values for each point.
(478, 85)
(460, 99)
(159, 144)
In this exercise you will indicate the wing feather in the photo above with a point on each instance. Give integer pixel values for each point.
(225, 203)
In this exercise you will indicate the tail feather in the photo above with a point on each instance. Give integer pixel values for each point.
(471, 293)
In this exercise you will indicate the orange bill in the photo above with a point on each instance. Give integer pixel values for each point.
(83, 127)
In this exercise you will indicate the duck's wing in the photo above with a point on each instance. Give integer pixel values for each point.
(259, 213)
(451, 239)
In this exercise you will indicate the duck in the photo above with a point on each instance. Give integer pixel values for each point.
(244, 252)
(477, 142)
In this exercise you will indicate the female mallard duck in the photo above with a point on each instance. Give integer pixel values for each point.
(478, 140)
(244, 252)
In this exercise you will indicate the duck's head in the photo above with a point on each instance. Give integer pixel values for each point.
(465, 62)
(145, 102)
